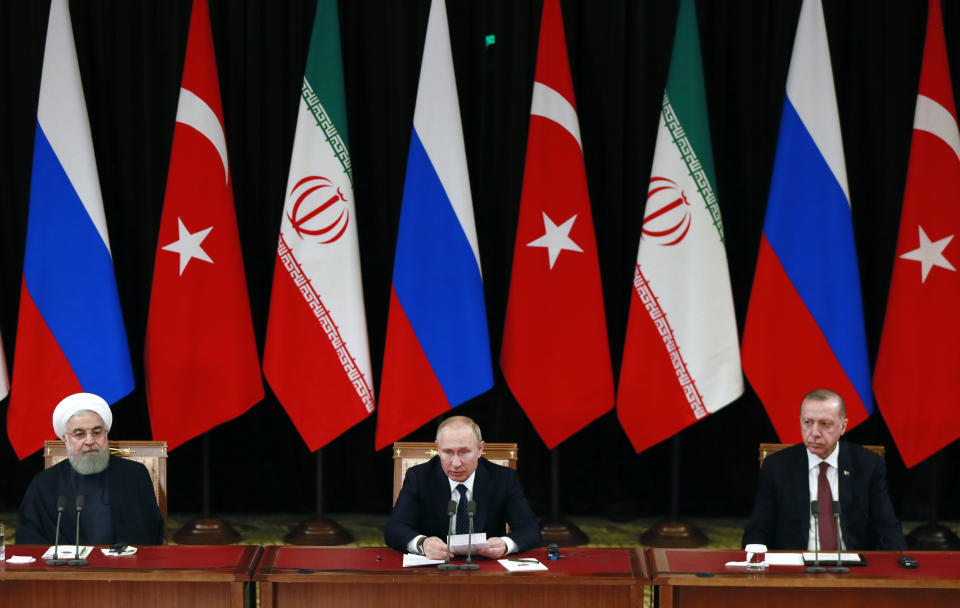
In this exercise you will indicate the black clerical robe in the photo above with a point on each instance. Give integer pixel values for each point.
(122, 506)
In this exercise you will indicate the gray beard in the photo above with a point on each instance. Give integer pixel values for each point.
(91, 463)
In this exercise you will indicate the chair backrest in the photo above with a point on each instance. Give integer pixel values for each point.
(769, 448)
(407, 454)
(151, 454)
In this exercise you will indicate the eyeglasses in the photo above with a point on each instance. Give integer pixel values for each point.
(94, 433)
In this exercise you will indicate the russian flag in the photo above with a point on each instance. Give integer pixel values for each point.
(804, 327)
(437, 351)
(70, 333)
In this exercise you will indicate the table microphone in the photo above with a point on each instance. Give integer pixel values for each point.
(56, 561)
(816, 568)
(451, 513)
(839, 568)
(76, 561)
(471, 510)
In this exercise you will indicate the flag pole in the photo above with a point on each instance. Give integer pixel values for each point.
(674, 532)
(319, 530)
(933, 536)
(206, 529)
(558, 530)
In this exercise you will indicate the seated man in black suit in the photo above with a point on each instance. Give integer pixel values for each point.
(120, 506)
(825, 470)
(419, 522)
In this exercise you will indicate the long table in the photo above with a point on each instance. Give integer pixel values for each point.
(692, 577)
(341, 576)
(187, 576)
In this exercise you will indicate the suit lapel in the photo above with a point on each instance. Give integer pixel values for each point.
(439, 493)
(481, 494)
(802, 482)
(846, 472)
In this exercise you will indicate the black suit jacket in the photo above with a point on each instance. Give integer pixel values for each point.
(422, 506)
(133, 506)
(781, 512)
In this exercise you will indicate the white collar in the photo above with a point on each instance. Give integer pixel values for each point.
(467, 482)
(814, 461)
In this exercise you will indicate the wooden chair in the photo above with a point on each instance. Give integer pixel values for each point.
(769, 448)
(407, 454)
(151, 454)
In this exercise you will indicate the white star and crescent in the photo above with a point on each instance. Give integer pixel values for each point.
(929, 254)
(556, 238)
(188, 245)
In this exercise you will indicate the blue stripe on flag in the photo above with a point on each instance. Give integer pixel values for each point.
(69, 273)
(809, 226)
(438, 283)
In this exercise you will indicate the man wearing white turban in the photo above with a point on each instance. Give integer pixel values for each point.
(119, 503)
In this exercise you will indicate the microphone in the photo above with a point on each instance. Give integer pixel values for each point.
(76, 561)
(839, 568)
(452, 514)
(471, 510)
(816, 568)
(56, 561)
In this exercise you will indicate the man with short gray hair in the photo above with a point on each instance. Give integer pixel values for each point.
(119, 502)
(419, 521)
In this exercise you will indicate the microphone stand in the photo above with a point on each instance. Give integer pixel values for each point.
(839, 568)
(471, 509)
(76, 561)
(56, 561)
(816, 568)
(452, 513)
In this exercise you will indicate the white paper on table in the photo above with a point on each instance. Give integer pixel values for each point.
(109, 552)
(68, 552)
(784, 559)
(459, 542)
(521, 564)
(855, 558)
(20, 559)
(411, 560)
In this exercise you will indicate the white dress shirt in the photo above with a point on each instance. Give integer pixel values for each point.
(455, 496)
(813, 476)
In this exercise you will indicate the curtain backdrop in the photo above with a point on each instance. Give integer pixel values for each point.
(131, 56)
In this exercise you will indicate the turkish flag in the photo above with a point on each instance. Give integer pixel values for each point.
(201, 358)
(555, 355)
(916, 380)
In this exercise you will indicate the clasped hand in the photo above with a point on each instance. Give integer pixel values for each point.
(435, 548)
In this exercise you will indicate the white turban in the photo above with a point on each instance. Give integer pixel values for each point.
(75, 403)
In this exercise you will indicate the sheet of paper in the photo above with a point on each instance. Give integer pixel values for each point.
(411, 560)
(68, 552)
(459, 542)
(784, 559)
(521, 564)
(831, 556)
(20, 559)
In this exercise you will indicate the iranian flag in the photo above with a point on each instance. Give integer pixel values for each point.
(316, 357)
(681, 361)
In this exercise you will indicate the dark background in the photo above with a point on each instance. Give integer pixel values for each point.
(131, 57)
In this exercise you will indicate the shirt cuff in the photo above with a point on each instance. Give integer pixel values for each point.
(511, 546)
(412, 545)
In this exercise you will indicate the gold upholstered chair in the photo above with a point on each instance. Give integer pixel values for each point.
(769, 448)
(407, 454)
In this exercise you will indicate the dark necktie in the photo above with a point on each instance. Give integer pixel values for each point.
(828, 525)
(462, 524)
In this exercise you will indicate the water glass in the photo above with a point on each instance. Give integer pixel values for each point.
(756, 556)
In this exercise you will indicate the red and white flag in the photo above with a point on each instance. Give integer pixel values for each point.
(917, 377)
(200, 356)
(555, 356)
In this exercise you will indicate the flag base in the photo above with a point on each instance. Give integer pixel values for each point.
(675, 534)
(562, 532)
(206, 531)
(320, 531)
(933, 537)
